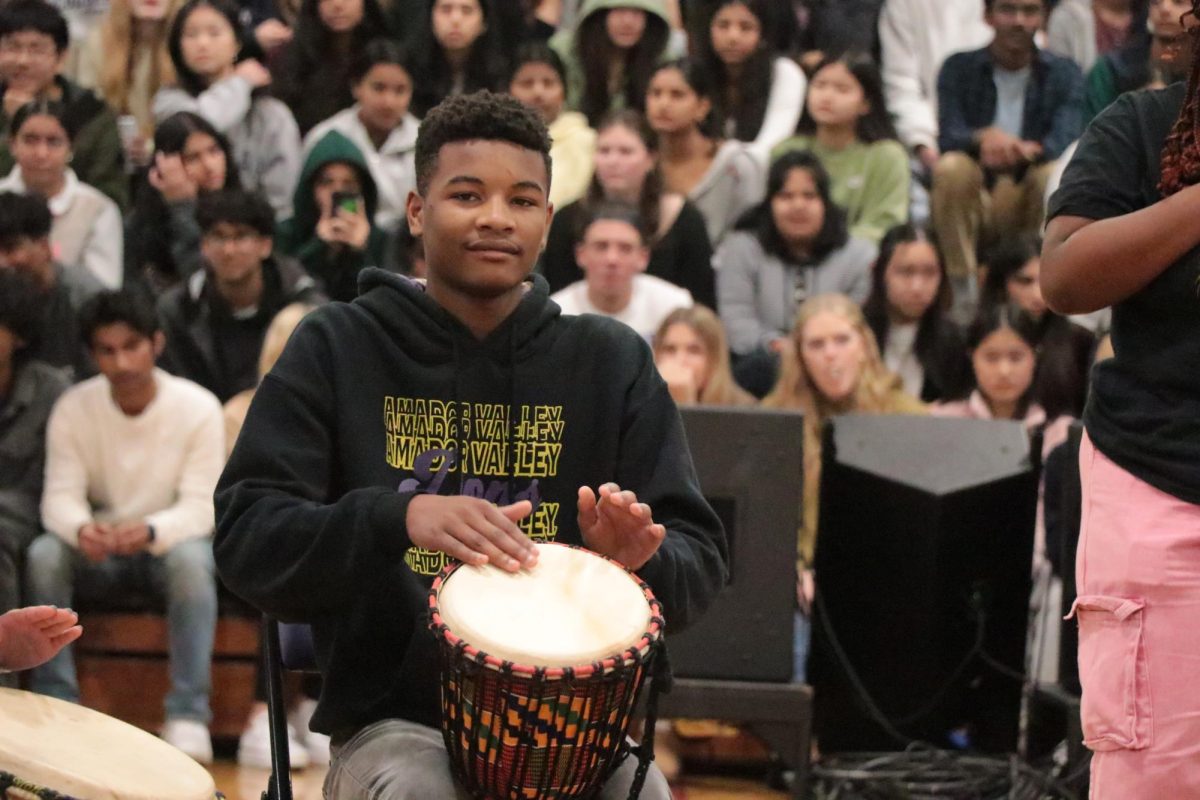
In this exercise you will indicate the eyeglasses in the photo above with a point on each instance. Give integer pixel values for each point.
(11, 47)
(236, 237)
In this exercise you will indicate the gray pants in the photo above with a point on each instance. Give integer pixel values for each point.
(400, 760)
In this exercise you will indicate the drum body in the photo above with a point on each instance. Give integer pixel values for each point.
(53, 749)
(541, 670)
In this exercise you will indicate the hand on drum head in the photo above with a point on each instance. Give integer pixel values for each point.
(472, 530)
(34, 635)
(618, 526)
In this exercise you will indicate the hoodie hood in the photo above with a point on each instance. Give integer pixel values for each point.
(401, 305)
(655, 7)
(333, 147)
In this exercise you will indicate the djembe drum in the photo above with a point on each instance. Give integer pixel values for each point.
(541, 670)
(54, 750)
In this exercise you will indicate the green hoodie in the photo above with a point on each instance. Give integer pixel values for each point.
(297, 237)
(564, 43)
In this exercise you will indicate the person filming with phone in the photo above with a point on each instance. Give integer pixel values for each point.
(332, 233)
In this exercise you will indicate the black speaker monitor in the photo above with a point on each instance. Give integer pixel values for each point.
(923, 578)
(750, 466)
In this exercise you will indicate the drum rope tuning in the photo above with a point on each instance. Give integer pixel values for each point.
(528, 730)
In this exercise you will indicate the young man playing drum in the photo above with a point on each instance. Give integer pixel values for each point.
(463, 418)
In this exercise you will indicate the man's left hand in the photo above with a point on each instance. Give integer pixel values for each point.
(130, 538)
(618, 526)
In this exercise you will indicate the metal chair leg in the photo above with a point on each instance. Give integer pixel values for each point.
(280, 785)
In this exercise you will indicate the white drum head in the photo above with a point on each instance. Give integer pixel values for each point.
(571, 609)
(82, 753)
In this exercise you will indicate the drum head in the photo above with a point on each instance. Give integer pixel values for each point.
(573, 608)
(82, 753)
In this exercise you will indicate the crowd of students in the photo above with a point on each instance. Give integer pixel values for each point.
(830, 206)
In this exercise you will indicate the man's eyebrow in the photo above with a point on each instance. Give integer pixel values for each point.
(474, 181)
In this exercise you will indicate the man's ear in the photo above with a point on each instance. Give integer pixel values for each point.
(643, 258)
(265, 246)
(159, 340)
(414, 209)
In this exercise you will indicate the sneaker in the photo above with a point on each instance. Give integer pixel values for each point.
(254, 746)
(317, 744)
(191, 737)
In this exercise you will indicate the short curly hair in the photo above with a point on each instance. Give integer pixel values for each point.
(480, 115)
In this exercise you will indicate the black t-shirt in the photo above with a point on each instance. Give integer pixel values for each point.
(1144, 409)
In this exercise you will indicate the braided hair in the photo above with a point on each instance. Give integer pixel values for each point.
(1179, 165)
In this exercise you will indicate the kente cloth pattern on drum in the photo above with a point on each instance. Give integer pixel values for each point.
(10, 783)
(516, 732)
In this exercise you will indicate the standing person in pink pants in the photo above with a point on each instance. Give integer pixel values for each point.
(1124, 231)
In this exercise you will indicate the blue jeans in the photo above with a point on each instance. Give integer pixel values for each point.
(395, 759)
(801, 643)
(58, 574)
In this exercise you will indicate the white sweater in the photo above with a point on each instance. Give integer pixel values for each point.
(653, 299)
(160, 466)
(915, 36)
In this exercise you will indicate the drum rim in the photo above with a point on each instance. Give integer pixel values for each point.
(634, 654)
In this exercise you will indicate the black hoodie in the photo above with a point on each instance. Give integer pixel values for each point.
(361, 412)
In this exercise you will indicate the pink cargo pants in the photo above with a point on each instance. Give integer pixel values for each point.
(1138, 574)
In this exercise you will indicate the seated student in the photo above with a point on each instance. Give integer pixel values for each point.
(33, 635)
(692, 356)
(736, 50)
(627, 171)
(1003, 343)
(610, 53)
(313, 71)
(830, 366)
(87, 231)
(792, 245)
(212, 80)
(33, 45)
(334, 242)
(162, 239)
(354, 538)
(456, 50)
(1064, 349)
(908, 311)
(28, 388)
(215, 321)
(1007, 112)
(614, 255)
(132, 456)
(1152, 59)
(380, 126)
(848, 128)
(25, 247)
(723, 179)
(915, 36)
(539, 80)
(1086, 30)
(125, 61)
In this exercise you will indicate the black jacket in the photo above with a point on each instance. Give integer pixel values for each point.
(208, 345)
(364, 410)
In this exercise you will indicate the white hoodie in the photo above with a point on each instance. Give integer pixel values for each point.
(915, 36)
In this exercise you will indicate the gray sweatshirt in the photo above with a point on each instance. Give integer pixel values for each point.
(261, 130)
(734, 183)
(756, 292)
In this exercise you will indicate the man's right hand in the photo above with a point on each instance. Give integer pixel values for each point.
(999, 151)
(95, 541)
(472, 530)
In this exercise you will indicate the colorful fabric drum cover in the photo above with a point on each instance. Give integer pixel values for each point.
(541, 670)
